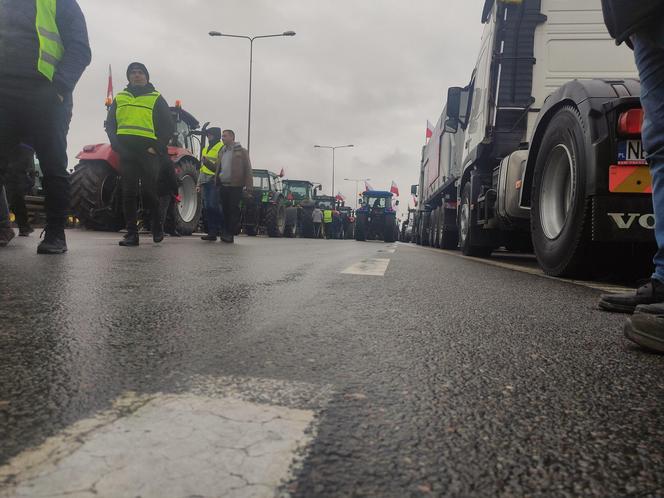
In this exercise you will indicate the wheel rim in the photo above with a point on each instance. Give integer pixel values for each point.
(556, 191)
(188, 204)
(463, 222)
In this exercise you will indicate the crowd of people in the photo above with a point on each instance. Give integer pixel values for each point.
(45, 50)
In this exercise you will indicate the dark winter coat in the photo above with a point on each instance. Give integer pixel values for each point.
(163, 121)
(19, 46)
(625, 17)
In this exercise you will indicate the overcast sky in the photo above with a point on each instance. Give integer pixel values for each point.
(363, 72)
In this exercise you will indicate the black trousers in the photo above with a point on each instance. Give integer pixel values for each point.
(18, 183)
(143, 167)
(230, 198)
(33, 114)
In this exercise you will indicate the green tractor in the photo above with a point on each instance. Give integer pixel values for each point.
(264, 210)
(299, 213)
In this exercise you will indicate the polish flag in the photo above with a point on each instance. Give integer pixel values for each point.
(109, 89)
(394, 189)
(340, 197)
(282, 173)
(367, 186)
(429, 130)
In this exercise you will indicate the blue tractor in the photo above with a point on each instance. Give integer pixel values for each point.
(377, 217)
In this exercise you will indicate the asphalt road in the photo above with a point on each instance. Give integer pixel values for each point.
(402, 371)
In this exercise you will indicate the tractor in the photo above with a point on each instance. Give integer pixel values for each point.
(264, 210)
(96, 191)
(299, 213)
(376, 218)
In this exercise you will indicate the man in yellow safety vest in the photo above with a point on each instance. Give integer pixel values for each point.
(139, 126)
(207, 185)
(44, 50)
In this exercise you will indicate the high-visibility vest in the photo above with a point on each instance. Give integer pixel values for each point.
(210, 156)
(134, 114)
(327, 216)
(51, 49)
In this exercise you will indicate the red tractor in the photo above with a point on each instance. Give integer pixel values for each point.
(96, 192)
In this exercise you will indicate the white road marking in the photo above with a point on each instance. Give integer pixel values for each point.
(207, 443)
(604, 287)
(374, 267)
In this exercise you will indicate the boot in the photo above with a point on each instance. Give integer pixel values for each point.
(227, 237)
(25, 231)
(646, 330)
(130, 239)
(157, 229)
(54, 241)
(6, 235)
(209, 238)
(650, 293)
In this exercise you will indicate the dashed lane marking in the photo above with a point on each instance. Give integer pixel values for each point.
(604, 287)
(230, 438)
(374, 267)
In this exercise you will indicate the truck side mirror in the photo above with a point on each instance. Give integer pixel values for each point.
(453, 109)
(413, 190)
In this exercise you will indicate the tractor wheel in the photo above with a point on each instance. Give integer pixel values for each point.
(96, 196)
(188, 211)
(307, 228)
(290, 231)
(360, 230)
(390, 230)
(275, 220)
(251, 230)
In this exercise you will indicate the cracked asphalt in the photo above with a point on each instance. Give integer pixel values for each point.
(444, 377)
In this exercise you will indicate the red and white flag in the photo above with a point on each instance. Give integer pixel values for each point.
(429, 130)
(340, 197)
(367, 186)
(109, 89)
(394, 189)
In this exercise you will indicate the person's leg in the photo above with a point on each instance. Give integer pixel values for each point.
(8, 141)
(16, 188)
(211, 204)
(130, 176)
(230, 202)
(150, 168)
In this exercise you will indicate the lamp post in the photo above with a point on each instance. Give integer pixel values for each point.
(251, 66)
(334, 148)
(357, 181)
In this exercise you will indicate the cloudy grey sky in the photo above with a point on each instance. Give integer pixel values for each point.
(366, 72)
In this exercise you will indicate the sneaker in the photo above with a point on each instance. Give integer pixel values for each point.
(210, 238)
(650, 293)
(129, 240)
(646, 330)
(25, 231)
(6, 235)
(54, 241)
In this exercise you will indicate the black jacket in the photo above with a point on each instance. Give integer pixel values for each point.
(19, 45)
(625, 17)
(163, 122)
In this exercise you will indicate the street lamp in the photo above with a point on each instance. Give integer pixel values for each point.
(333, 151)
(251, 66)
(357, 181)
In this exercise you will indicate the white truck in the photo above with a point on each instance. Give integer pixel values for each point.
(542, 148)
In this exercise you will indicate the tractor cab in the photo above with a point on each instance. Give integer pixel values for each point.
(298, 191)
(265, 209)
(324, 202)
(377, 217)
(186, 135)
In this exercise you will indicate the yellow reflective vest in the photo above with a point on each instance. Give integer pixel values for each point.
(51, 49)
(135, 114)
(210, 157)
(327, 216)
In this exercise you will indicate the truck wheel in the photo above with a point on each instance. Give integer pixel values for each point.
(438, 234)
(560, 212)
(466, 224)
(275, 220)
(424, 235)
(96, 196)
(188, 210)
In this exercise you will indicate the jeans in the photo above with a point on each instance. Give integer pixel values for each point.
(230, 207)
(649, 55)
(34, 114)
(212, 208)
(143, 167)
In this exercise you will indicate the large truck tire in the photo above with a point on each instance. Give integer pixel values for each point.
(466, 224)
(96, 196)
(437, 233)
(560, 212)
(360, 229)
(187, 212)
(275, 220)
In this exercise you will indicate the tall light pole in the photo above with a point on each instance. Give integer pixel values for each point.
(333, 151)
(357, 181)
(251, 66)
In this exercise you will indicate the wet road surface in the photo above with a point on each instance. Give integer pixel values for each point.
(316, 368)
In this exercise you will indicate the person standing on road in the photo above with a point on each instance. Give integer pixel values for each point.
(641, 24)
(317, 218)
(327, 223)
(233, 177)
(206, 184)
(44, 50)
(139, 126)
